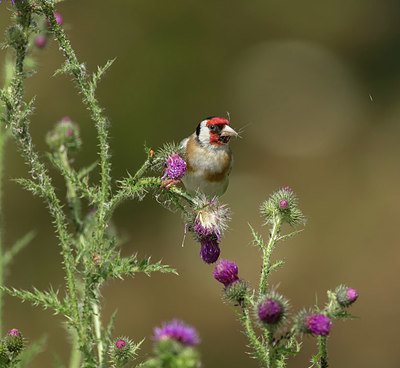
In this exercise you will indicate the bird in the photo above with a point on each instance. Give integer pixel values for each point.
(208, 157)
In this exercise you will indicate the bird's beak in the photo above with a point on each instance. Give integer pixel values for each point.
(227, 131)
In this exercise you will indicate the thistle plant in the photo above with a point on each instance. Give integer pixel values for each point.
(90, 252)
(264, 314)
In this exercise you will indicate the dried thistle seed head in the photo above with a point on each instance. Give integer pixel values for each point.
(346, 296)
(177, 330)
(282, 205)
(64, 136)
(209, 219)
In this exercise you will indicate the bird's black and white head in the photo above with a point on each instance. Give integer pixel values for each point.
(214, 131)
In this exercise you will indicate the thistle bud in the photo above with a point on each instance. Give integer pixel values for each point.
(282, 205)
(272, 310)
(316, 324)
(122, 351)
(226, 272)
(210, 250)
(40, 41)
(14, 341)
(346, 296)
(236, 291)
(65, 135)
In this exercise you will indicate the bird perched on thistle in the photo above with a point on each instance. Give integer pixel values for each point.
(208, 157)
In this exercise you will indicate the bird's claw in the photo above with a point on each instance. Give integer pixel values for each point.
(168, 183)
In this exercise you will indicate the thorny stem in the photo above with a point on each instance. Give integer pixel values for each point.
(17, 120)
(97, 330)
(267, 252)
(75, 357)
(71, 191)
(323, 353)
(259, 348)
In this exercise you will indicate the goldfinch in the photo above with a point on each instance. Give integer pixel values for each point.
(208, 157)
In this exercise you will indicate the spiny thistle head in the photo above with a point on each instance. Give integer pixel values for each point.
(64, 136)
(226, 272)
(122, 351)
(346, 296)
(282, 205)
(178, 331)
(316, 324)
(170, 156)
(273, 310)
(236, 291)
(209, 251)
(14, 341)
(175, 167)
(210, 219)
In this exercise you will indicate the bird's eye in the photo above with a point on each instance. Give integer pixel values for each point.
(211, 127)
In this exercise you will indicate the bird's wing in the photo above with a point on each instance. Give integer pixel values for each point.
(183, 143)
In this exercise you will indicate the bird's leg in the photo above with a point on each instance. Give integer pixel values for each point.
(168, 183)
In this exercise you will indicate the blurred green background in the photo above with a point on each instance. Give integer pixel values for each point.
(315, 87)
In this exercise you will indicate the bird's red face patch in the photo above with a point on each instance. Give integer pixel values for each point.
(215, 125)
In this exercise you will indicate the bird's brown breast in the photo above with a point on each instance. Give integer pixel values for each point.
(214, 164)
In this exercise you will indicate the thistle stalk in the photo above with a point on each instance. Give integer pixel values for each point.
(267, 252)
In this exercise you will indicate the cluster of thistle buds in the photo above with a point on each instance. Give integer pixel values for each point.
(11, 346)
(42, 39)
(272, 309)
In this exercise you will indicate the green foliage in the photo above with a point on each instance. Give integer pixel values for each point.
(90, 253)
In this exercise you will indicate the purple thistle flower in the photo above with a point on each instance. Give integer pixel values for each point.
(226, 272)
(14, 332)
(287, 189)
(120, 344)
(40, 41)
(318, 324)
(70, 132)
(270, 311)
(209, 251)
(346, 296)
(176, 167)
(352, 294)
(177, 330)
(283, 203)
